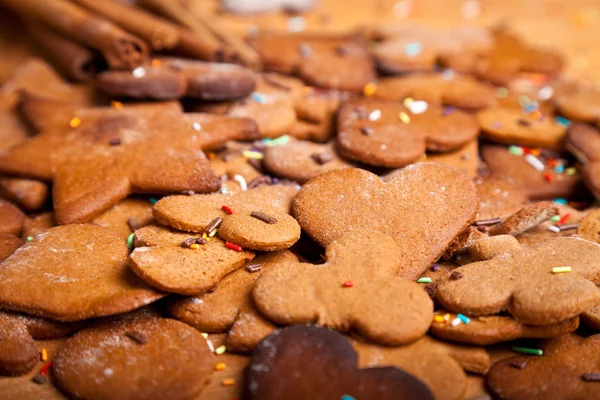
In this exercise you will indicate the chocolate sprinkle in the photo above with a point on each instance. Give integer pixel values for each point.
(568, 227)
(214, 224)
(591, 377)
(523, 122)
(133, 224)
(40, 379)
(263, 217)
(341, 51)
(137, 337)
(256, 164)
(365, 130)
(434, 267)
(456, 275)
(322, 158)
(430, 288)
(259, 181)
(273, 82)
(484, 222)
(115, 142)
(253, 267)
(519, 363)
(187, 243)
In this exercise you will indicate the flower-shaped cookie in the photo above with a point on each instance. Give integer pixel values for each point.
(524, 282)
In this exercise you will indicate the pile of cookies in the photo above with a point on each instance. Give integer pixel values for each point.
(403, 213)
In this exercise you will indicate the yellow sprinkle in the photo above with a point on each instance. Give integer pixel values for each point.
(155, 63)
(204, 235)
(404, 117)
(558, 270)
(194, 246)
(407, 101)
(75, 122)
(116, 104)
(446, 317)
(204, 335)
(370, 89)
(256, 155)
(570, 171)
(438, 318)
(228, 382)
(44, 355)
(536, 152)
(220, 366)
(221, 349)
(212, 233)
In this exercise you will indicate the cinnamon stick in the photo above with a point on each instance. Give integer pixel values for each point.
(199, 39)
(160, 34)
(119, 48)
(72, 59)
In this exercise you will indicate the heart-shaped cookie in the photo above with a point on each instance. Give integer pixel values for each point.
(423, 208)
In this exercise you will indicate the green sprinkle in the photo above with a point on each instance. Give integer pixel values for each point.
(424, 280)
(29, 238)
(556, 218)
(527, 350)
(502, 92)
(130, 241)
(220, 350)
(515, 150)
(153, 200)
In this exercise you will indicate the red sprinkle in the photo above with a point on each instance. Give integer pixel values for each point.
(232, 246)
(563, 219)
(45, 368)
(548, 176)
(348, 284)
(227, 210)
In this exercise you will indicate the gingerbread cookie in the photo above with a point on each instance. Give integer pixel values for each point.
(173, 78)
(354, 289)
(339, 62)
(589, 227)
(409, 47)
(11, 218)
(525, 219)
(29, 194)
(249, 328)
(215, 131)
(350, 199)
(171, 357)
(591, 318)
(388, 134)
(42, 328)
(484, 331)
(71, 284)
(437, 89)
(525, 281)
(194, 213)
(499, 197)
(8, 245)
(127, 216)
(528, 377)
(18, 352)
(535, 177)
(582, 104)
(301, 161)
(511, 126)
(430, 361)
(218, 310)
(166, 260)
(37, 224)
(567, 224)
(282, 368)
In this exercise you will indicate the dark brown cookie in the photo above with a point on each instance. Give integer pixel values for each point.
(282, 367)
(29, 194)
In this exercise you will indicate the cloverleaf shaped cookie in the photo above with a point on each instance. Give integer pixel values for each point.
(357, 288)
(388, 134)
(283, 367)
(352, 200)
(521, 281)
(568, 369)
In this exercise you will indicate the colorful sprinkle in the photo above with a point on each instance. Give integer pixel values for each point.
(139, 72)
(402, 116)
(45, 368)
(155, 63)
(255, 155)
(527, 350)
(563, 121)
(438, 318)
(534, 162)
(233, 246)
(212, 233)
(153, 200)
(515, 150)
(369, 89)
(116, 105)
(559, 169)
(44, 355)
(502, 92)
(220, 366)
(259, 98)
(555, 218)
(545, 93)
(348, 284)
(413, 49)
(554, 229)
(447, 111)
(563, 219)
(374, 115)
(29, 238)
(464, 319)
(560, 270)
(228, 210)
(296, 24)
(347, 397)
(571, 171)
(548, 177)
(130, 241)
(74, 122)
(196, 126)
(417, 107)
(277, 141)
(240, 179)
(194, 246)
(221, 349)
(204, 335)
(560, 201)
(424, 280)
(455, 322)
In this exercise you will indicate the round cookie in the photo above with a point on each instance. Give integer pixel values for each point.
(582, 104)
(18, 352)
(11, 218)
(589, 227)
(171, 358)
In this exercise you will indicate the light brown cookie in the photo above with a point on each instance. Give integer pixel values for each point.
(517, 127)
(569, 220)
(591, 318)
(214, 131)
(248, 330)
(527, 377)
(589, 227)
(357, 288)
(525, 219)
(301, 161)
(194, 213)
(484, 331)
(523, 281)
(79, 272)
(11, 218)
(388, 134)
(429, 360)
(584, 142)
(218, 310)
(351, 199)
(170, 357)
(29, 194)
(337, 62)
(465, 158)
(127, 216)
(37, 224)
(582, 104)
(42, 328)
(499, 197)
(18, 352)
(8, 245)
(437, 89)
